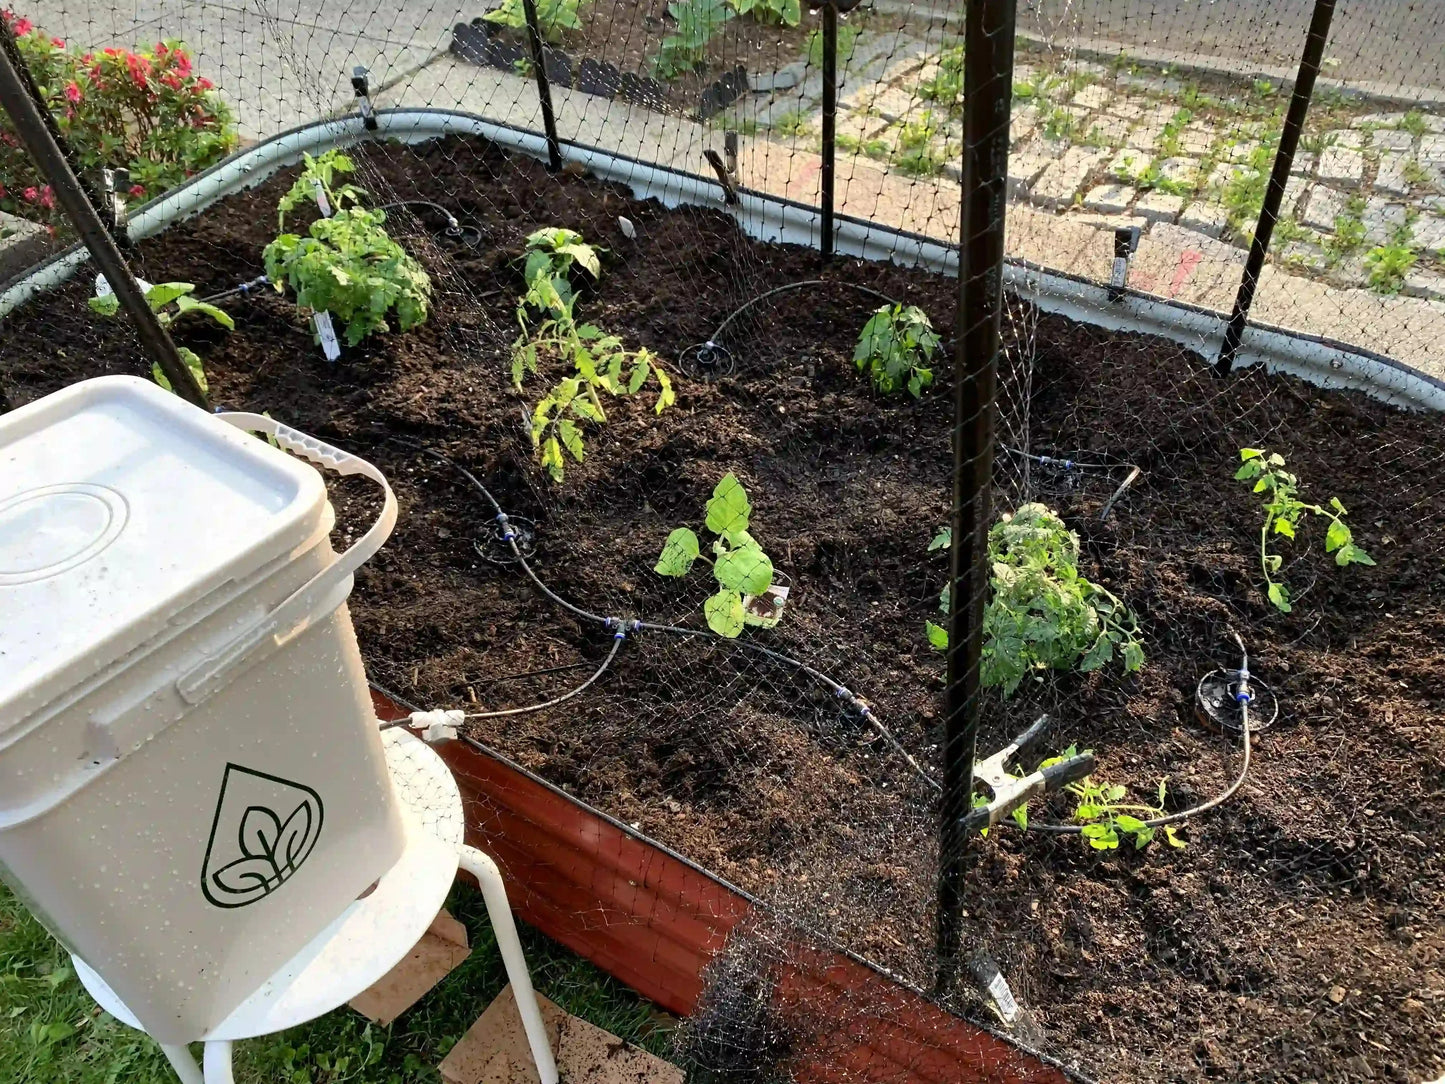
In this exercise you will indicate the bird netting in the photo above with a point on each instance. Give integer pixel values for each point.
(677, 490)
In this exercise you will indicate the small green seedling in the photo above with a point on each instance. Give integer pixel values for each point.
(1284, 512)
(895, 347)
(1386, 267)
(784, 12)
(551, 253)
(1043, 614)
(348, 265)
(1105, 815)
(170, 301)
(685, 50)
(598, 360)
(554, 17)
(744, 573)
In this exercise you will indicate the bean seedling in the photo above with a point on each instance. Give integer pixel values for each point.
(170, 301)
(1284, 513)
(742, 570)
(1042, 614)
(895, 347)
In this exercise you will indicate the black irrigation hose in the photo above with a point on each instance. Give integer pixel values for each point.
(621, 626)
(717, 335)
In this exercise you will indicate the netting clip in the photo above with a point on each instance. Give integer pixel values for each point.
(362, 86)
(437, 726)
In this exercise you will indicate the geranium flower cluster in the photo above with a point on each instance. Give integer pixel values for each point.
(148, 112)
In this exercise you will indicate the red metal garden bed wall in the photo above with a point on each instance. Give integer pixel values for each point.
(655, 921)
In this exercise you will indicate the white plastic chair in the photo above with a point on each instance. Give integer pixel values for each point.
(374, 934)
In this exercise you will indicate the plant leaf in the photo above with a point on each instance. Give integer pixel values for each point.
(1279, 595)
(724, 612)
(937, 635)
(678, 553)
(746, 569)
(571, 438)
(729, 509)
(105, 304)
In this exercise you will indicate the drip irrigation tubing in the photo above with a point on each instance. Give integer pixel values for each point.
(617, 639)
(1243, 696)
(621, 626)
(718, 334)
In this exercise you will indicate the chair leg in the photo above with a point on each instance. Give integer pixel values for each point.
(218, 1062)
(184, 1065)
(494, 892)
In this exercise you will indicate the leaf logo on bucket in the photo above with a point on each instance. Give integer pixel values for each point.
(265, 828)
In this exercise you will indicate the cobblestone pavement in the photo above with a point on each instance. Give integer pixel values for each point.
(1365, 205)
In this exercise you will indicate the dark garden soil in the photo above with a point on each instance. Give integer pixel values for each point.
(1299, 935)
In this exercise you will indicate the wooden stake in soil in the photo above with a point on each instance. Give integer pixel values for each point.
(988, 94)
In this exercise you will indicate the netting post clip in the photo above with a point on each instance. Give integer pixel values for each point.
(1126, 243)
(361, 84)
(115, 186)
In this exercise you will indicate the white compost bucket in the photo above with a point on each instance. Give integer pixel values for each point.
(192, 785)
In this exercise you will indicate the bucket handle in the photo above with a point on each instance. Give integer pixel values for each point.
(319, 595)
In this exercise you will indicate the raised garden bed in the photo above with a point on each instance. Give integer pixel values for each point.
(1293, 939)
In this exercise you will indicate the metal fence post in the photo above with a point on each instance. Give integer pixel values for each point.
(29, 119)
(1299, 104)
(544, 85)
(830, 122)
(988, 94)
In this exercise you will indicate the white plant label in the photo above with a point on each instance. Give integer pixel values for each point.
(330, 345)
(1003, 997)
(321, 202)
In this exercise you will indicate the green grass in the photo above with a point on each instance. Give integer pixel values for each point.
(847, 42)
(792, 123)
(52, 1033)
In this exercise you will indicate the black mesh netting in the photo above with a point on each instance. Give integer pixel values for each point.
(1295, 934)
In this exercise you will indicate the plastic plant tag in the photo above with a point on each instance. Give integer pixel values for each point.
(326, 334)
(765, 610)
(322, 204)
(102, 286)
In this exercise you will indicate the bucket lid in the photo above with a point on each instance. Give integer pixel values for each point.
(121, 508)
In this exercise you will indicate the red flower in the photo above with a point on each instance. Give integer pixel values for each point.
(111, 50)
(59, 43)
(205, 84)
(47, 198)
(183, 64)
(139, 68)
(72, 91)
(137, 190)
(2, 191)
(22, 27)
(172, 80)
(161, 48)
(31, 194)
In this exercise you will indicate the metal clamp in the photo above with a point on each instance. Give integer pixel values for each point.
(361, 84)
(1009, 792)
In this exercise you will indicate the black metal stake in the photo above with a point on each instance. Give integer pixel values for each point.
(830, 122)
(544, 85)
(29, 120)
(988, 95)
(1299, 104)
